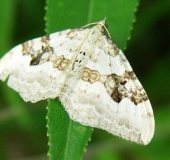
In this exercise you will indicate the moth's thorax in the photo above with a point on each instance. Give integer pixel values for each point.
(95, 34)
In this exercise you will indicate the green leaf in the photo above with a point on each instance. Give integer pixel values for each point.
(67, 139)
(6, 24)
(64, 14)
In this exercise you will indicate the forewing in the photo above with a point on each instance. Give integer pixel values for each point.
(107, 94)
(37, 69)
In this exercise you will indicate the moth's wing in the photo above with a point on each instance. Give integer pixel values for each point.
(107, 95)
(37, 68)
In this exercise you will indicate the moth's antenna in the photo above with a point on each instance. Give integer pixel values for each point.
(104, 25)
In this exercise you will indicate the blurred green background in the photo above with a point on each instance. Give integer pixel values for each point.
(23, 125)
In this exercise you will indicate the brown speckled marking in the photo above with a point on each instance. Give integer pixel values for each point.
(47, 48)
(119, 87)
(123, 82)
(86, 74)
(60, 63)
(35, 59)
(45, 39)
(116, 49)
(144, 96)
(26, 48)
(72, 33)
(132, 75)
(94, 76)
(42, 54)
(113, 49)
(115, 95)
(38, 57)
(63, 65)
(135, 99)
(90, 76)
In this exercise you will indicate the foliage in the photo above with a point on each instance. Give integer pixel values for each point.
(22, 125)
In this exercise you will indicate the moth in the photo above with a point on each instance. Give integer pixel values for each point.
(89, 74)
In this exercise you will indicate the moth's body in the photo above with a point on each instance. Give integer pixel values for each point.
(89, 74)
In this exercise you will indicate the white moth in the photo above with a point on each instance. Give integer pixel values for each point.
(89, 74)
